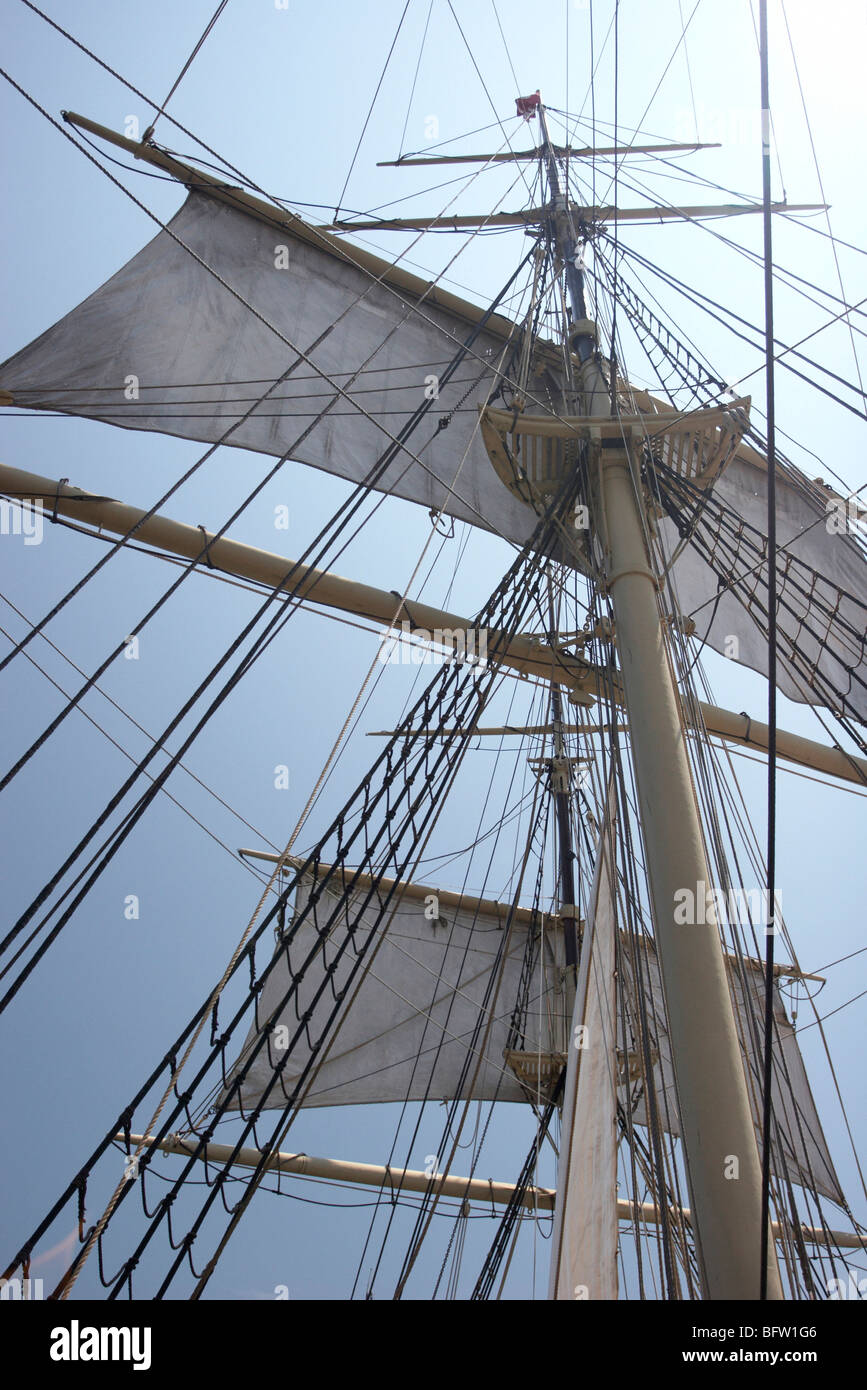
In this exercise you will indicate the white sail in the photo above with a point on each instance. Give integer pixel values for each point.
(413, 1030)
(164, 345)
(423, 1024)
(821, 588)
(800, 1145)
(584, 1240)
(199, 359)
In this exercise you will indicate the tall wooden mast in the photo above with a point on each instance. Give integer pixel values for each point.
(720, 1148)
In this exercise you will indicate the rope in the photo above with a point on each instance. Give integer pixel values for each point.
(372, 104)
(278, 618)
(409, 103)
(317, 372)
(772, 658)
(468, 684)
(177, 82)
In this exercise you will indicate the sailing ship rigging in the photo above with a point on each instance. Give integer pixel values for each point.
(611, 1008)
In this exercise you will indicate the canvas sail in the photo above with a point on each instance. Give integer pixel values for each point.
(800, 1145)
(165, 345)
(200, 358)
(821, 587)
(584, 1239)
(423, 1026)
(412, 1028)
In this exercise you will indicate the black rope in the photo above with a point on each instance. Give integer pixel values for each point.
(767, 1096)
(494, 1258)
(467, 684)
(703, 301)
(276, 622)
(737, 552)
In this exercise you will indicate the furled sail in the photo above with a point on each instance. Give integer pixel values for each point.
(584, 1239)
(413, 1030)
(193, 344)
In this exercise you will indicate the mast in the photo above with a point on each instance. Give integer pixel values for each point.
(721, 1152)
(561, 784)
(560, 779)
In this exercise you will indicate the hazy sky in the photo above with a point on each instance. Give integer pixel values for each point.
(283, 92)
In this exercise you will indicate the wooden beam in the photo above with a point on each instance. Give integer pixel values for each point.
(484, 1190)
(524, 915)
(721, 723)
(561, 152)
(479, 731)
(451, 224)
(200, 181)
(804, 752)
(527, 656)
(367, 1174)
(464, 902)
(535, 216)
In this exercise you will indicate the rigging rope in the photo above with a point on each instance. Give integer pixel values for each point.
(412, 89)
(504, 614)
(372, 104)
(301, 356)
(508, 1222)
(277, 619)
(767, 1108)
(177, 82)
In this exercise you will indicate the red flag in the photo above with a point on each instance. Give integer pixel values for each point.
(528, 106)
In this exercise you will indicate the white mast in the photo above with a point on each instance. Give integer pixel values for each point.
(722, 1158)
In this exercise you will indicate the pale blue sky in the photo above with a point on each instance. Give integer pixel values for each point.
(283, 94)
